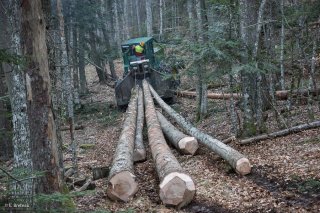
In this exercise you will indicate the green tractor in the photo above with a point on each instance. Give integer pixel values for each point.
(147, 67)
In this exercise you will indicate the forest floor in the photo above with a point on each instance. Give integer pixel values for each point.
(285, 175)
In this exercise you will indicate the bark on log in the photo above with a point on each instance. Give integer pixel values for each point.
(239, 162)
(210, 95)
(139, 153)
(65, 128)
(176, 187)
(122, 185)
(280, 95)
(100, 172)
(184, 143)
(295, 129)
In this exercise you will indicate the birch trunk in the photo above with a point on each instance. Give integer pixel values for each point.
(184, 143)
(121, 184)
(42, 127)
(176, 187)
(138, 17)
(139, 150)
(238, 161)
(149, 17)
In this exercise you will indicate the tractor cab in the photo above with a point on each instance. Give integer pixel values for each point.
(137, 68)
(139, 65)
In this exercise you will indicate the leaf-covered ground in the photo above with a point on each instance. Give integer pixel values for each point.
(285, 174)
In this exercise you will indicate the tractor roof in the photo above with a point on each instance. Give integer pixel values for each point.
(137, 40)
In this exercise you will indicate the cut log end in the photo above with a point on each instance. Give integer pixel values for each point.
(139, 155)
(177, 189)
(243, 166)
(188, 145)
(122, 186)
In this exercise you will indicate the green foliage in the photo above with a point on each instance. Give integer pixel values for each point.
(55, 202)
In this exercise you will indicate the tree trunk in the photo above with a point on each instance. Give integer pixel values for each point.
(116, 21)
(121, 184)
(238, 161)
(176, 187)
(65, 69)
(161, 19)
(184, 143)
(139, 150)
(6, 150)
(191, 19)
(39, 108)
(82, 72)
(282, 38)
(126, 19)
(17, 91)
(295, 129)
(149, 17)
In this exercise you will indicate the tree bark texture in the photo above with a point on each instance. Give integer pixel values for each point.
(295, 129)
(139, 153)
(176, 188)
(239, 162)
(39, 107)
(184, 143)
(121, 184)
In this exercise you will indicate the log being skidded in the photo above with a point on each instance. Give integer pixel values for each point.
(121, 184)
(176, 188)
(139, 153)
(239, 162)
(184, 143)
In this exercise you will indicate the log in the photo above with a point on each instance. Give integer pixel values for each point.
(238, 162)
(176, 188)
(88, 185)
(122, 184)
(224, 96)
(184, 143)
(295, 129)
(100, 172)
(65, 128)
(139, 153)
(280, 95)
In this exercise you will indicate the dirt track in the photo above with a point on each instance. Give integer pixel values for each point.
(285, 175)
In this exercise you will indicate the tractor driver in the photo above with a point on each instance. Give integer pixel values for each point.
(138, 50)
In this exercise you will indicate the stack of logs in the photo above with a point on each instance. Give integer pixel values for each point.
(176, 187)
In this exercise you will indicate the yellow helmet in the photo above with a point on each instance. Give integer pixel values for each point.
(141, 43)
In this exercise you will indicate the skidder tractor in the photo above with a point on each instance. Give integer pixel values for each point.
(140, 62)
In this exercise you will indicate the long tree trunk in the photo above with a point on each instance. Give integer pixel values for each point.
(238, 161)
(282, 38)
(191, 19)
(294, 129)
(176, 187)
(184, 143)
(149, 17)
(67, 84)
(6, 150)
(139, 150)
(82, 72)
(121, 184)
(18, 100)
(39, 108)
